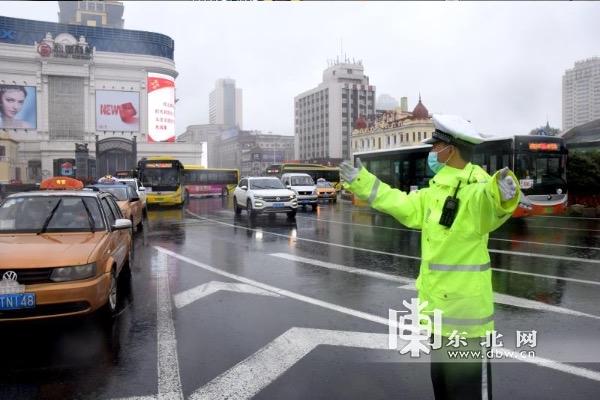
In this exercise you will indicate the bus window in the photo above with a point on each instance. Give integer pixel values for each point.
(493, 164)
(478, 159)
(505, 161)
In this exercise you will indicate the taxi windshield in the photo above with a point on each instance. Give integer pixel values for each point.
(30, 214)
(119, 191)
(323, 184)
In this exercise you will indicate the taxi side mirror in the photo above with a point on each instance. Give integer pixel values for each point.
(289, 187)
(142, 189)
(121, 223)
(244, 187)
(134, 199)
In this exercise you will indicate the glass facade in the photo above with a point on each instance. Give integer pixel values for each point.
(26, 32)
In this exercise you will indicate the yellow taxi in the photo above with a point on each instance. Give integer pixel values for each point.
(128, 200)
(63, 251)
(326, 191)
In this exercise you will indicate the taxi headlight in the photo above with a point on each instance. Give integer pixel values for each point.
(258, 197)
(64, 274)
(293, 197)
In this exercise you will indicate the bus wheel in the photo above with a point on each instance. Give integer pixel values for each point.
(186, 199)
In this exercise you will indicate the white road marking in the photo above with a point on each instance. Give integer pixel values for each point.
(364, 211)
(344, 268)
(283, 292)
(550, 256)
(410, 285)
(561, 278)
(191, 295)
(304, 239)
(547, 363)
(388, 253)
(169, 381)
(418, 231)
(558, 366)
(558, 217)
(250, 376)
(136, 398)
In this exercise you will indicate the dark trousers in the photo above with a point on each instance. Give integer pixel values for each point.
(466, 379)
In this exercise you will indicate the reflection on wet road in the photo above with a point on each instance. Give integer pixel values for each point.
(284, 309)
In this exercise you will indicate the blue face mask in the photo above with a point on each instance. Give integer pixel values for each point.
(432, 161)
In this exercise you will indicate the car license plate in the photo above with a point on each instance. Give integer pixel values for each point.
(17, 301)
(548, 210)
(278, 205)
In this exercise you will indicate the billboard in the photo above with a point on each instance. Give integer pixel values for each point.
(161, 108)
(18, 107)
(117, 111)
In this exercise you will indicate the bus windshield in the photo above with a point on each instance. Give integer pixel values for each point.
(541, 168)
(161, 178)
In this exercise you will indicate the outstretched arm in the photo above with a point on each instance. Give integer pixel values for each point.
(494, 201)
(406, 208)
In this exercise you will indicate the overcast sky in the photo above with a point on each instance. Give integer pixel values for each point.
(498, 64)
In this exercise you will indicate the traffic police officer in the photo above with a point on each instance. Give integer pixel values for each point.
(458, 210)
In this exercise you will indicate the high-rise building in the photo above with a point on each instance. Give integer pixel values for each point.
(107, 14)
(325, 115)
(581, 93)
(225, 104)
(386, 102)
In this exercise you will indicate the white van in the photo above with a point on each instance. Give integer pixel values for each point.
(304, 186)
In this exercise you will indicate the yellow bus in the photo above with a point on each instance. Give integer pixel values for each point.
(201, 181)
(162, 177)
(316, 171)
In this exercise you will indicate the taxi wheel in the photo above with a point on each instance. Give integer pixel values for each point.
(140, 226)
(110, 309)
(314, 207)
(291, 214)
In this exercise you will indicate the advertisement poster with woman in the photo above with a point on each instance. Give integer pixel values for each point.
(18, 107)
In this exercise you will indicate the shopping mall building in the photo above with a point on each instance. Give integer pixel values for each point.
(84, 100)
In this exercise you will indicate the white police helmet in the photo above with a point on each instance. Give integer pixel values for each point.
(452, 129)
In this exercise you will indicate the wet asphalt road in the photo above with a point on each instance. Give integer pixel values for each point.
(220, 305)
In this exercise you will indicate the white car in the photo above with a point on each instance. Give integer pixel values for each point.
(139, 188)
(263, 195)
(304, 187)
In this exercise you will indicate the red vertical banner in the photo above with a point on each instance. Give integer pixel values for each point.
(161, 108)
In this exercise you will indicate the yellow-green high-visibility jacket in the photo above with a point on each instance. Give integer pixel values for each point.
(455, 275)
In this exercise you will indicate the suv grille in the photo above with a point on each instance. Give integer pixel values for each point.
(272, 199)
(305, 193)
(31, 276)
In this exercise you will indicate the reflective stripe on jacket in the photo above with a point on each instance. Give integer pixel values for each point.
(455, 275)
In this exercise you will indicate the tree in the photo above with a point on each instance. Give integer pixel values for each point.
(546, 130)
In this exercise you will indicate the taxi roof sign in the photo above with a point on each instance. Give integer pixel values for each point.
(61, 183)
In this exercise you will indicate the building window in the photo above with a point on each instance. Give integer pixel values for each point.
(414, 137)
(2, 151)
(419, 136)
